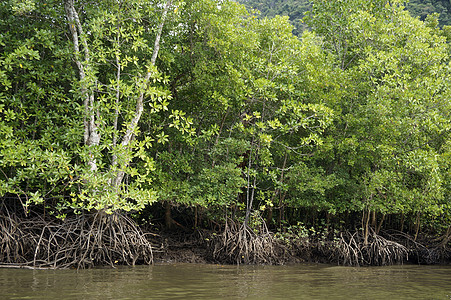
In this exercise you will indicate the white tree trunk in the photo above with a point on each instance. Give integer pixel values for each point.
(82, 60)
(91, 135)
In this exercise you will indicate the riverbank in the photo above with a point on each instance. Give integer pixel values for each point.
(99, 239)
(349, 250)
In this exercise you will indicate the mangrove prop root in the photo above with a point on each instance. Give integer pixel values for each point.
(352, 250)
(425, 250)
(78, 242)
(240, 244)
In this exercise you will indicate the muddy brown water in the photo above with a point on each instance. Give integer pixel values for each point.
(200, 281)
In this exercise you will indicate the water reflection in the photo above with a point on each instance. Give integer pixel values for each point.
(191, 281)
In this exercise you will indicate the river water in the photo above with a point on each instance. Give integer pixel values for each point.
(199, 281)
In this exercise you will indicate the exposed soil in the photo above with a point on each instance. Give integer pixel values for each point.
(108, 240)
(349, 249)
(182, 247)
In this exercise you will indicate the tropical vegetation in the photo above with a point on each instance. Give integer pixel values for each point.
(117, 115)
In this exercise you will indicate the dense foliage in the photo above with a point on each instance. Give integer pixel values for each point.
(423, 8)
(296, 9)
(120, 106)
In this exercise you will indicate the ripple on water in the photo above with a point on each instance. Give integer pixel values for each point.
(198, 281)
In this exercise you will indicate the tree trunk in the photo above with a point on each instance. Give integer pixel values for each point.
(82, 60)
(373, 219)
(380, 224)
(366, 221)
(402, 222)
(168, 216)
(269, 216)
(417, 225)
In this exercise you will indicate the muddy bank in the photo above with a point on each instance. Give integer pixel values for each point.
(344, 248)
(182, 247)
(96, 239)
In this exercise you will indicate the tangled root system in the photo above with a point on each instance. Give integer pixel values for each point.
(240, 244)
(425, 250)
(352, 250)
(80, 241)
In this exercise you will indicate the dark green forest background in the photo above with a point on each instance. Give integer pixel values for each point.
(295, 9)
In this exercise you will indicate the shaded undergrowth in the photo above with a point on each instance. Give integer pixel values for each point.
(99, 239)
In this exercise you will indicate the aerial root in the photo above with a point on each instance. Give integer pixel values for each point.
(240, 244)
(378, 251)
(425, 250)
(78, 242)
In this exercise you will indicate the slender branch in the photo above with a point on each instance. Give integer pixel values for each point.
(129, 134)
(156, 48)
(118, 94)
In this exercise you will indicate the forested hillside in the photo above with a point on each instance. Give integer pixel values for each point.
(422, 8)
(124, 120)
(295, 9)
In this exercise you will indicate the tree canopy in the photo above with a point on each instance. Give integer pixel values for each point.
(296, 9)
(114, 106)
